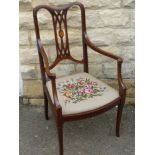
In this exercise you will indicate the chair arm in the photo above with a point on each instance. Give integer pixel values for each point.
(45, 59)
(52, 76)
(96, 49)
(55, 96)
(122, 87)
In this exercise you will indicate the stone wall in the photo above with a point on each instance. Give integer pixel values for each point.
(110, 25)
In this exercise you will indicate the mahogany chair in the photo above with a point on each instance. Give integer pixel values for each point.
(81, 95)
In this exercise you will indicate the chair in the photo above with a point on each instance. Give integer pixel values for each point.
(80, 95)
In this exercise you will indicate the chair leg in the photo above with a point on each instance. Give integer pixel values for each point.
(46, 106)
(118, 121)
(60, 137)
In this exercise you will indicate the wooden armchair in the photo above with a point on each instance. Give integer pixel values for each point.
(80, 95)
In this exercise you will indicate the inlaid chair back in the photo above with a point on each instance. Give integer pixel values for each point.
(59, 19)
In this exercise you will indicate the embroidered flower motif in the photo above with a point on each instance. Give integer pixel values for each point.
(88, 91)
(68, 94)
(80, 89)
(70, 86)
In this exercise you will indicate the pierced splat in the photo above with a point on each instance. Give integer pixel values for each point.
(61, 35)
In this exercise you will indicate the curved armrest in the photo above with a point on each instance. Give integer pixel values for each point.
(98, 50)
(45, 59)
(52, 76)
(122, 87)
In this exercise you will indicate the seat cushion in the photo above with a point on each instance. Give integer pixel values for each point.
(82, 92)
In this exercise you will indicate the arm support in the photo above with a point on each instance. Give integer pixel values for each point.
(45, 59)
(55, 97)
(52, 76)
(122, 87)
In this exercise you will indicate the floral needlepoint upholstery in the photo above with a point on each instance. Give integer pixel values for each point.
(82, 92)
(75, 91)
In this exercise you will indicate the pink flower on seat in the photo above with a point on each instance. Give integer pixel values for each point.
(70, 86)
(88, 91)
(79, 92)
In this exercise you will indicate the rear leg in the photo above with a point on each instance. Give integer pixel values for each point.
(46, 106)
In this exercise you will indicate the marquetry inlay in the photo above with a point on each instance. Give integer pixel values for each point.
(61, 33)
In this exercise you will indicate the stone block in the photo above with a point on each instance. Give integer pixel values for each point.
(111, 37)
(132, 16)
(130, 85)
(128, 70)
(25, 5)
(76, 51)
(111, 82)
(59, 3)
(92, 19)
(110, 69)
(96, 70)
(28, 55)
(44, 20)
(114, 18)
(74, 18)
(79, 68)
(101, 37)
(30, 72)
(100, 18)
(101, 3)
(36, 101)
(39, 2)
(89, 3)
(130, 100)
(25, 101)
(129, 3)
(124, 37)
(75, 36)
(23, 38)
(94, 57)
(32, 88)
(127, 53)
(51, 52)
(130, 92)
(64, 69)
(26, 20)
(47, 37)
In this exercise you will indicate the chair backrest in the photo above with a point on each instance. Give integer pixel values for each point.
(59, 18)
